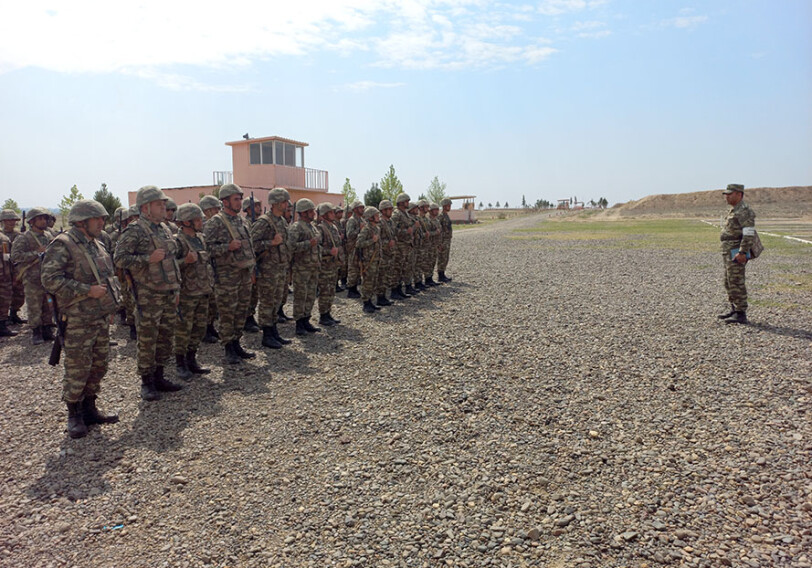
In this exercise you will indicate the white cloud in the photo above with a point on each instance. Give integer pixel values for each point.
(684, 22)
(591, 29)
(361, 86)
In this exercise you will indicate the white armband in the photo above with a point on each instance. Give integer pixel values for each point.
(748, 231)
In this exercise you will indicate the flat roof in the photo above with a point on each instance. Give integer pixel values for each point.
(267, 139)
(463, 197)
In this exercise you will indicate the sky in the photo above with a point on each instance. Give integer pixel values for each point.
(544, 99)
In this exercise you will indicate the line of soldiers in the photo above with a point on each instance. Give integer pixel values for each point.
(174, 270)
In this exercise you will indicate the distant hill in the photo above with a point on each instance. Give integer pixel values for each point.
(794, 202)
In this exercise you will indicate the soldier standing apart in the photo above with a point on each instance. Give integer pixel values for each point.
(269, 237)
(26, 254)
(737, 237)
(9, 218)
(79, 272)
(229, 240)
(197, 285)
(368, 247)
(354, 225)
(328, 269)
(146, 253)
(388, 251)
(211, 207)
(303, 242)
(6, 285)
(445, 241)
(436, 238)
(403, 228)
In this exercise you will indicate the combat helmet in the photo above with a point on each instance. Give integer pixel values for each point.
(278, 195)
(402, 198)
(370, 212)
(385, 204)
(8, 215)
(325, 208)
(148, 194)
(209, 201)
(433, 206)
(304, 205)
(356, 204)
(171, 205)
(229, 189)
(188, 212)
(445, 202)
(422, 203)
(35, 212)
(86, 209)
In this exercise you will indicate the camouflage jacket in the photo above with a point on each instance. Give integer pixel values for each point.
(197, 278)
(27, 257)
(329, 239)
(739, 229)
(6, 272)
(220, 230)
(445, 225)
(299, 235)
(12, 234)
(387, 234)
(72, 264)
(368, 249)
(401, 223)
(425, 230)
(266, 227)
(137, 243)
(435, 230)
(354, 226)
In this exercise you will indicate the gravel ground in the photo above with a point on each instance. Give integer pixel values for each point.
(555, 405)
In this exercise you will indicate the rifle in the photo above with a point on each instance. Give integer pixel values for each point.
(22, 228)
(61, 327)
(128, 278)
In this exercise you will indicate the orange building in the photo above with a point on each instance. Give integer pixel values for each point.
(258, 166)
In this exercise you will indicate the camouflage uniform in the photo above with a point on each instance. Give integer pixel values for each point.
(328, 269)
(6, 285)
(72, 264)
(386, 278)
(344, 257)
(197, 285)
(209, 202)
(445, 242)
(354, 225)
(368, 247)
(305, 265)
(435, 240)
(737, 233)
(156, 287)
(25, 254)
(17, 288)
(423, 270)
(417, 247)
(401, 224)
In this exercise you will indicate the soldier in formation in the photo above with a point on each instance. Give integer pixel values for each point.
(353, 227)
(303, 242)
(368, 251)
(328, 268)
(9, 218)
(211, 207)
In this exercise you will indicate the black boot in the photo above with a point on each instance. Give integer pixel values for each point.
(278, 337)
(352, 292)
(729, 314)
(420, 286)
(339, 288)
(232, 358)
(242, 353)
(382, 301)
(5, 331)
(326, 320)
(36, 336)
(369, 308)
(93, 415)
(182, 367)
(148, 390)
(396, 294)
(309, 327)
(430, 282)
(48, 332)
(76, 424)
(282, 318)
(133, 332)
(211, 334)
(332, 319)
(739, 317)
(410, 291)
(268, 340)
(161, 384)
(15, 319)
(194, 366)
(251, 325)
(300, 328)
(442, 277)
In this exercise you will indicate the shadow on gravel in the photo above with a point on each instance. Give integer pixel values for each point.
(785, 331)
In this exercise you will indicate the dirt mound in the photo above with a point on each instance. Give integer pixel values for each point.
(793, 201)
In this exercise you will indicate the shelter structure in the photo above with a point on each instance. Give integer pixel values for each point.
(467, 213)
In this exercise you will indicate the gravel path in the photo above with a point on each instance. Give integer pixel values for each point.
(556, 405)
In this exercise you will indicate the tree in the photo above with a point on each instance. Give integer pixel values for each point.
(524, 203)
(436, 190)
(542, 204)
(506, 205)
(490, 205)
(67, 202)
(374, 196)
(603, 203)
(390, 185)
(497, 204)
(11, 204)
(110, 201)
(348, 191)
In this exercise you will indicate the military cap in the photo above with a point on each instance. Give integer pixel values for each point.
(209, 201)
(86, 209)
(325, 208)
(356, 204)
(433, 206)
(35, 212)
(229, 189)
(171, 205)
(402, 198)
(370, 212)
(148, 194)
(9, 214)
(304, 205)
(385, 204)
(189, 211)
(422, 203)
(445, 202)
(278, 195)
(731, 187)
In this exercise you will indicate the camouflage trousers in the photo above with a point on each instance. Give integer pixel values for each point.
(370, 280)
(17, 292)
(305, 280)
(273, 289)
(734, 283)
(212, 314)
(342, 266)
(442, 255)
(190, 330)
(353, 268)
(128, 302)
(411, 270)
(328, 278)
(252, 306)
(6, 292)
(156, 329)
(233, 300)
(385, 279)
(39, 309)
(85, 356)
(400, 263)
